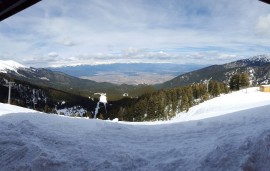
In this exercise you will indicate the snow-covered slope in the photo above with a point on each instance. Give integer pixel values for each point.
(6, 109)
(10, 65)
(221, 141)
(237, 101)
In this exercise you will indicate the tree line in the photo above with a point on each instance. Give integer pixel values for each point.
(165, 104)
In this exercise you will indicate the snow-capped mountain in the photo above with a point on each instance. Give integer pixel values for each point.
(258, 68)
(209, 136)
(60, 80)
(40, 77)
(6, 66)
(258, 60)
(262, 59)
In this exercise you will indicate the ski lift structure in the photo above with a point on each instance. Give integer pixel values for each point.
(103, 100)
(207, 83)
(9, 85)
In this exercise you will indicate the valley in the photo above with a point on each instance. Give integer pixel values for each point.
(133, 79)
(129, 73)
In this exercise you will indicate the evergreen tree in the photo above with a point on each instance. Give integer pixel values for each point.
(185, 103)
(239, 80)
(244, 80)
(234, 82)
(217, 90)
(214, 88)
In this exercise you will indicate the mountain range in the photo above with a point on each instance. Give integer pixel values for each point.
(257, 67)
(58, 86)
(129, 73)
(64, 82)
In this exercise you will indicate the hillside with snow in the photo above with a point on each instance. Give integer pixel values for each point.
(257, 67)
(10, 66)
(231, 132)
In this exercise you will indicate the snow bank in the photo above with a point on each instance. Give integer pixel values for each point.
(6, 109)
(234, 141)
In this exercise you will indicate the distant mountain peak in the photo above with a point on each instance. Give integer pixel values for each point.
(9, 65)
(260, 58)
(258, 68)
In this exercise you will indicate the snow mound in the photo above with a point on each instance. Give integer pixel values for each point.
(7, 109)
(250, 155)
(10, 65)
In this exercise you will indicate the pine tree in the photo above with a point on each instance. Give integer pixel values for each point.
(234, 82)
(239, 80)
(244, 80)
(217, 89)
(185, 103)
(214, 88)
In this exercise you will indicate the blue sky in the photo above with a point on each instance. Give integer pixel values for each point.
(68, 32)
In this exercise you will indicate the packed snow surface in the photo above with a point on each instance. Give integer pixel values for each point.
(229, 103)
(9, 65)
(231, 132)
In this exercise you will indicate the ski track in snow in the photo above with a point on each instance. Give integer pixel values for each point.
(215, 135)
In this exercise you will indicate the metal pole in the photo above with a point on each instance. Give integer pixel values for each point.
(9, 91)
(207, 84)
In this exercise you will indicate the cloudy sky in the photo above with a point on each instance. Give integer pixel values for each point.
(71, 32)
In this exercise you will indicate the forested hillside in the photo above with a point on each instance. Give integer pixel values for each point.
(41, 98)
(82, 87)
(155, 105)
(164, 104)
(257, 68)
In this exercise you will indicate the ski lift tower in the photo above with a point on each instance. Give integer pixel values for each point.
(207, 83)
(9, 85)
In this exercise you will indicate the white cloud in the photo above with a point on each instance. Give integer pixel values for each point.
(69, 43)
(53, 54)
(263, 25)
(123, 31)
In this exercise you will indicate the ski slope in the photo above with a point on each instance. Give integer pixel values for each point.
(229, 103)
(216, 135)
